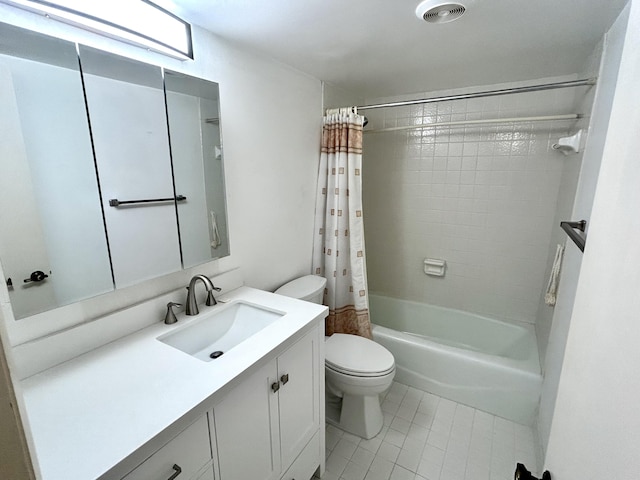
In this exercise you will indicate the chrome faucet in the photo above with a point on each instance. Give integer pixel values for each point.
(191, 302)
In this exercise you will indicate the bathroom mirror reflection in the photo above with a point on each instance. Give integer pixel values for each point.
(50, 213)
(73, 156)
(196, 149)
(125, 100)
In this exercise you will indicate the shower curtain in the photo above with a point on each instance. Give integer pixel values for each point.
(338, 248)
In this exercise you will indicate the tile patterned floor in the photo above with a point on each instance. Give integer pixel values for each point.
(426, 437)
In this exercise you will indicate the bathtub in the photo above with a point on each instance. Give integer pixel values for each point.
(478, 361)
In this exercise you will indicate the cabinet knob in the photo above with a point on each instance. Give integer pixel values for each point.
(284, 378)
(275, 386)
(177, 471)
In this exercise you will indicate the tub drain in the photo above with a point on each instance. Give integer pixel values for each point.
(216, 354)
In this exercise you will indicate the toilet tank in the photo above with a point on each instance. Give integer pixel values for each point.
(309, 288)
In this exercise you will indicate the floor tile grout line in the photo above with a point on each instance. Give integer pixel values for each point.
(458, 410)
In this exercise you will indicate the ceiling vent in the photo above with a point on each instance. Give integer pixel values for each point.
(436, 12)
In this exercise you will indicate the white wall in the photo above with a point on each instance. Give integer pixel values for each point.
(595, 431)
(481, 198)
(552, 327)
(271, 126)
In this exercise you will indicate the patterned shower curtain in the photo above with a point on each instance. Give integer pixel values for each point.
(338, 248)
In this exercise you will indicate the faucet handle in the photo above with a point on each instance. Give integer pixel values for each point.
(170, 317)
(211, 300)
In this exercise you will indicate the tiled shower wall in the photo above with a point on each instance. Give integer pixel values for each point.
(481, 198)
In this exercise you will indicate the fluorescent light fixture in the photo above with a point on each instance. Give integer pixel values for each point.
(138, 22)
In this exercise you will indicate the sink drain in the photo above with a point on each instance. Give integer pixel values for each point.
(216, 354)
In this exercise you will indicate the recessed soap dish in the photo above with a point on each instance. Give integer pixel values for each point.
(435, 267)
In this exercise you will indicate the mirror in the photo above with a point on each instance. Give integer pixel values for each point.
(107, 185)
(50, 215)
(196, 149)
(126, 107)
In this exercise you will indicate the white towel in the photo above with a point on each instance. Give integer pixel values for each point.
(216, 241)
(552, 286)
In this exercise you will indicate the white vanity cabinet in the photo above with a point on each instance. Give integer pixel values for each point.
(265, 427)
(271, 420)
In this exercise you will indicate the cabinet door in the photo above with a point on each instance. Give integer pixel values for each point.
(246, 429)
(306, 463)
(298, 396)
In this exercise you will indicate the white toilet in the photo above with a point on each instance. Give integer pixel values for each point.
(357, 370)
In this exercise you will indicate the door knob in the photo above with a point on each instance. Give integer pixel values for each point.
(36, 276)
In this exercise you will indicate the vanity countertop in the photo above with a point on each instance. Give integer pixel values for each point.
(90, 413)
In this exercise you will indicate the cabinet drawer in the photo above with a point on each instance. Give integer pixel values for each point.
(188, 451)
(307, 462)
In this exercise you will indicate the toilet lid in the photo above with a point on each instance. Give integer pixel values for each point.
(303, 287)
(358, 356)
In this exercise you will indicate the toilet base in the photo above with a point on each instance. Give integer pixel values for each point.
(358, 414)
(333, 406)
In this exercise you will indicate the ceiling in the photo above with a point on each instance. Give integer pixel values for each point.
(380, 48)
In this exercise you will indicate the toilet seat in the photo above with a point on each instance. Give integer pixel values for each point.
(357, 356)
(350, 373)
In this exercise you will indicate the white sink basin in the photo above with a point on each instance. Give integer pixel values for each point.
(220, 330)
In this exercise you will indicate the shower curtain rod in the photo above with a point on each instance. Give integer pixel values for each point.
(490, 93)
(568, 116)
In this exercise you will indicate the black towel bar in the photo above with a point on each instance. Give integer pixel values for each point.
(114, 202)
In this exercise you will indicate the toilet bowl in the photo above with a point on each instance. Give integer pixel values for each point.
(357, 370)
